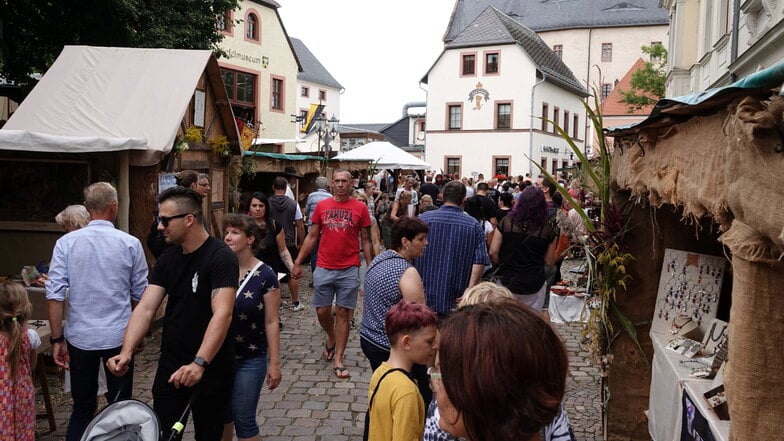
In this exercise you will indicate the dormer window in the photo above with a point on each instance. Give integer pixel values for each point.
(252, 27)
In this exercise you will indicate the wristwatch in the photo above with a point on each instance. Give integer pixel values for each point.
(59, 339)
(200, 362)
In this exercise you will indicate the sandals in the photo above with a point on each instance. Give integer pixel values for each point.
(329, 352)
(341, 372)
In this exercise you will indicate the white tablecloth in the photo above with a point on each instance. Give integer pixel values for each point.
(668, 379)
(566, 309)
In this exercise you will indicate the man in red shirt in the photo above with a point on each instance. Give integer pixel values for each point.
(340, 220)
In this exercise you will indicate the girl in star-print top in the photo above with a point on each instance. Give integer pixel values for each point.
(254, 326)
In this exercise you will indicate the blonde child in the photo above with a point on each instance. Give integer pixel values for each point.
(17, 405)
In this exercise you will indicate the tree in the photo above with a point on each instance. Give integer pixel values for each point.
(647, 85)
(33, 32)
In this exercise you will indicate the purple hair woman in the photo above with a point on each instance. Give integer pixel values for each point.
(523, 244)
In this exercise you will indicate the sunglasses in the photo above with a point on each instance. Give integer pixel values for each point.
(164, 220)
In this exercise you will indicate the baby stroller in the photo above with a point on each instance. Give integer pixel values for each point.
(130, 420)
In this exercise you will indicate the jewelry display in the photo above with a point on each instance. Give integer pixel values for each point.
(689, 288)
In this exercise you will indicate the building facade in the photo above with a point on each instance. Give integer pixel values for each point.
(713, 44)
(260, 73)
(490, 95)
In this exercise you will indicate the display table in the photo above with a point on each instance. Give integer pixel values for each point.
(668, 380)
(565, 308)
(43, 330)
(718, 428)
(37, 297)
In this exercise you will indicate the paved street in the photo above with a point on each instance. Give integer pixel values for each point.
(312, 404)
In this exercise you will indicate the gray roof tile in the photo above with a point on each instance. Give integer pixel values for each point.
(493, 27)
(548, 15)
(312, 69)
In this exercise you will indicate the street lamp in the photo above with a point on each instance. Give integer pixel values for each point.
(327, 129)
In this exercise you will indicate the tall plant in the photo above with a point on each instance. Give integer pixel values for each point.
(606, 257)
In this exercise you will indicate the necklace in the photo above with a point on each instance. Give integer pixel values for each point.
(676, 326)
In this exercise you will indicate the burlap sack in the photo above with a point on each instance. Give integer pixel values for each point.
(754, 379)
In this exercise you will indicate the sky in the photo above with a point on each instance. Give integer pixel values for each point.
(378, 51)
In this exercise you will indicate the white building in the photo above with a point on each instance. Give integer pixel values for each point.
(260, 72)
(714, 43)
(315, 87)
(585, 34)
(486, 94)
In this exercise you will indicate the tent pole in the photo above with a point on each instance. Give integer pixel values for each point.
(123, 192)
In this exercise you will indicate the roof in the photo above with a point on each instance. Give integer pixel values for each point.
(397, 132)
(613, 106)
(548, 15)
(670, 111)
(312, 69)
(493, 27)
(359, 128)
(110, 99)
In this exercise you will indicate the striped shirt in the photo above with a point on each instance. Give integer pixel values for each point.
(456, 242)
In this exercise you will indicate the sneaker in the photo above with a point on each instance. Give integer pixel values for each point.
(298, 307)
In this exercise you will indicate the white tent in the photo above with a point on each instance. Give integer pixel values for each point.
(385, 155)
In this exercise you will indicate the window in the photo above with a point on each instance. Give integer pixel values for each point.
(575, 119)
(606, 52)
(452, 166)
(421, 126)
(252, 27)
(558, 49)
(305, 91)
(241, 89)
(503, 116)
(606, 89)
(469, 65)
(566, 122)
(322, 95)
(545, 115)
(543, 163)
(501, 165)
(491, 63)
(223, 22)
(277, 94)
(654, 44)
(556, 119)
(455, 116)
(554, 169)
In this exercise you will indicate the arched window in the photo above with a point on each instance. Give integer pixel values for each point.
(252, 27)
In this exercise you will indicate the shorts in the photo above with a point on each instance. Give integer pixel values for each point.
(340, 285)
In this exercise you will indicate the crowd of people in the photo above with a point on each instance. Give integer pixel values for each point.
(429, 325)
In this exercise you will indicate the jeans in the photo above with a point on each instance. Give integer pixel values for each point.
(84, 386)
(249, 376)
(376, 355)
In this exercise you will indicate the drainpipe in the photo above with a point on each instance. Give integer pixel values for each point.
(531, 128)
(586, 145)
(734, 37)
(414, 104)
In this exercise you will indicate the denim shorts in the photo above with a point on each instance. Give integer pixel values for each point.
(249, 375)
(340, 284)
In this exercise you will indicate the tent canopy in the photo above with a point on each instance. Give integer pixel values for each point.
(385, 155)
(96, 99)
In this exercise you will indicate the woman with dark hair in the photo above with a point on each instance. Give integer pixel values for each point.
(521, 247)
(188, 179)
(397, 211)
(500, 374)
(254, 328)
(391, 277)
(272, 250)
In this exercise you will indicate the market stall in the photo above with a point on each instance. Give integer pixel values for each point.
(713, 159)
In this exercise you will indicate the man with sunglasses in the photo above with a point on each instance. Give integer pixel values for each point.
(199, 276)
(99, 270)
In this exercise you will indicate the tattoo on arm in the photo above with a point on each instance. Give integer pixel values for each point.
(214, 293)
(286, 257)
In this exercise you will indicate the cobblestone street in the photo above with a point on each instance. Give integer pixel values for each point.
(312, 404)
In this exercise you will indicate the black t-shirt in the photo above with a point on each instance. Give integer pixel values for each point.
(522, 254)
(488, 206)
(189, 280)
(431, 189)
(268, 251)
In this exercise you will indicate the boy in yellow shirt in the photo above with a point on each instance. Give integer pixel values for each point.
(396, 411)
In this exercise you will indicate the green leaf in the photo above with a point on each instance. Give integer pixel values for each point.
(629, 328)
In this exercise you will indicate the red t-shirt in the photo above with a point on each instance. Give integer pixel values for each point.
(340, 224)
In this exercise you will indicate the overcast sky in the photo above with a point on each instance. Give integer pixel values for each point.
(378, 51)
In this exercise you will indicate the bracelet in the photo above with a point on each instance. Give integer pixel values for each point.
(59, 339)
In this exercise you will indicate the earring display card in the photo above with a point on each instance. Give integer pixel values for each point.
(689, 288)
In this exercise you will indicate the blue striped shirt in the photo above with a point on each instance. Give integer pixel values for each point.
(456, 242)
(103, 269)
